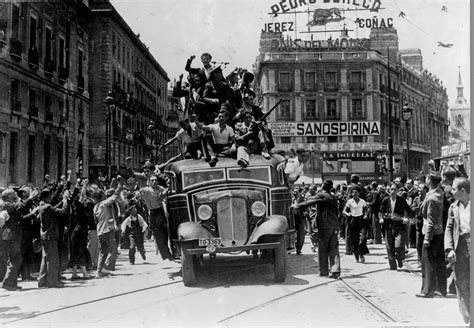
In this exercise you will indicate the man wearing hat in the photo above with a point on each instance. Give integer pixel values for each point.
(48, 216)
(143, 178)
(11, 235)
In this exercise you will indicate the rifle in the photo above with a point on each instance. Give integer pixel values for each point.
(259, 123)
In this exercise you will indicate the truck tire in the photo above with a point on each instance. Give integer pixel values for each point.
(280, 261)
(187, 265)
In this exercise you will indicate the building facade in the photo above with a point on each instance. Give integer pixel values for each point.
(44, 104)
(336, 96)
(460, 117)
(129, 95)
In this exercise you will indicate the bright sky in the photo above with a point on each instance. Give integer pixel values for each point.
(230, 31)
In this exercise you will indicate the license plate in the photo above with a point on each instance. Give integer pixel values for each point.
(210, 241)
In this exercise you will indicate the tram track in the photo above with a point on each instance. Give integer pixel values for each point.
(294, 266)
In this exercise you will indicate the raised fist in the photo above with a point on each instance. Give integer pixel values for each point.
(192, 57)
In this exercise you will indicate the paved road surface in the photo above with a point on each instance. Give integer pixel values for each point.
(236, 291)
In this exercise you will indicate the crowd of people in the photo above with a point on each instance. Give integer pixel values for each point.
(82, 223)
(430, 213)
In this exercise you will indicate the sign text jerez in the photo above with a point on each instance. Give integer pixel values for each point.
(350, 128)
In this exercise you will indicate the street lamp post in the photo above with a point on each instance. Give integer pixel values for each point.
(110, 101)
(406, 116)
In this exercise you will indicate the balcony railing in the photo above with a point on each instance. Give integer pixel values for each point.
(15, 49)
(383, 89)
(356, 86)
(48, 67)
(33, 58)
(331, 86)
(62, 74)
(311, 117)
(33, 111)
(15, 105)
(62, 120)
(49, 116)
(357, 116)
(80, 83)
(333, 116)
(284, 87)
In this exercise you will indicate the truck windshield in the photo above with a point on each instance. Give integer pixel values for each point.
(197, 177)
(258, 174)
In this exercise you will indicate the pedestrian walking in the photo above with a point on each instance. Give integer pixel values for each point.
(457, 242)
(393, 217)
(328, 227)
(355, 211)
(134, 226)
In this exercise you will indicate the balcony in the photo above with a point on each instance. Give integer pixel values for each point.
(333, 116)
(63, 74)
(82, 125)
(62, 120)
(16, 49)
(49, 116)
(358, 116)
(356, 86)
(311, 117)
(80, 83)
(48, 67)
(15, 105)
(331, 86)
(33, 112)
(33, 58)
(310, 87)
(284, 87)
(383, 89)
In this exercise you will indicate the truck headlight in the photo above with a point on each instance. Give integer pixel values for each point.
(204, 212)
(258, 208)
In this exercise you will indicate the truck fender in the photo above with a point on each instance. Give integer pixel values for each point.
(192, 230)
(272, 225)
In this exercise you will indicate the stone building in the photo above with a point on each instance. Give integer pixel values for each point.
(336, 95)
(44, 101)
(460, 117)
(129, 94)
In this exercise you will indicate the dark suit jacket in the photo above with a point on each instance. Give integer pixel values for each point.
(451, 235)
(432, 210)
(327, 210)
(12, 230)
(400, 207)
(49, 216)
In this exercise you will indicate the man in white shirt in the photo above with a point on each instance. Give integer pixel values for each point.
(189, 139)
(294, 166)
(457, 242)
(223, 138)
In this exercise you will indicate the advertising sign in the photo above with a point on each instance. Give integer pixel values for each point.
(350, 128)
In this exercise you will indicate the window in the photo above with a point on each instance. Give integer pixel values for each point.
(3, 147)
(13, 156)
(311, 109)
(285, 110)
(32, 32)
(311, 139)
(357, 111)
(118, 50)
(331, 77)
(358, 139)
(310, 81)
(332, 139)
(80, 58)
(48, 43)
(62, 49)
(285, 140)
(31, 157)
(46, 154)
(114, 46)
(59, 153)
(15, 22)
(356, 76)
(331, 108)
(14, 90)
(32, 98)
(284, 84)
